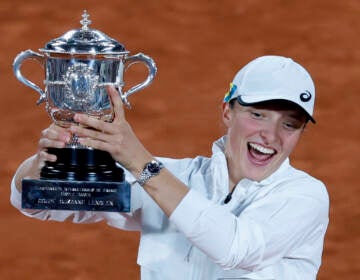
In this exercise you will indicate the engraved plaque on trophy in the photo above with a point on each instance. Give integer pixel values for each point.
(79, 66)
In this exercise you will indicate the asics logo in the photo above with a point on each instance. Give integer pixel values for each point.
(305, 96)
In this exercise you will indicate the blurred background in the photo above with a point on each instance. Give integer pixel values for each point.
(198, 47)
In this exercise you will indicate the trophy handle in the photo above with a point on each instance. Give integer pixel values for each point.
(150, 64)
(16, 68)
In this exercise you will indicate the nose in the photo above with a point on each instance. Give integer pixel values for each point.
(269, 133)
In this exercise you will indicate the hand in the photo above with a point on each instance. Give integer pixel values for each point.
(116, 138)
(52, 137)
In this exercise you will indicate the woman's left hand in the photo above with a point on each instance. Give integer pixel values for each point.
(116, 138)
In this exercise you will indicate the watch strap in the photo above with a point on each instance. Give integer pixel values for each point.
(150, 170)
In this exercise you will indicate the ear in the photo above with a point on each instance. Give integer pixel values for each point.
(227, 113)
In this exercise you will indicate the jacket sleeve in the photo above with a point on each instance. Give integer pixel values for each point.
(261, 235)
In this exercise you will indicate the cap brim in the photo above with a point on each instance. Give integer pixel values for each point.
(259, 100)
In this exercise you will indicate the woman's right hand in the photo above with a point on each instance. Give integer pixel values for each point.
(52, 137)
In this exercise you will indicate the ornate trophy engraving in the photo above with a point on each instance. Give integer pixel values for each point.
(79, 66)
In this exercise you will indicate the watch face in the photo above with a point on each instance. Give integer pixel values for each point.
(154, 167)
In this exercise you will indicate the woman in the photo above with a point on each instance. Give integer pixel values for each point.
(243, 213)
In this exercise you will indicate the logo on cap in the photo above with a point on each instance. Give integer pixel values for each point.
(230, 93)
(305, 96)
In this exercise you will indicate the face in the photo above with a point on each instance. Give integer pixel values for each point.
(260, 138)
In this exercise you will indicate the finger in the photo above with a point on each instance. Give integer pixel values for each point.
(44, 156)
(53, 139)
(45, 143)
(94, 143)
(55, 132)
(116, 103)
(100, 131)
(88, 121)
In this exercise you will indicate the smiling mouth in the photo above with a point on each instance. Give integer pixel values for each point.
(260, 154)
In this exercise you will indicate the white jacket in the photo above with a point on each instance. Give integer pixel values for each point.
(273, 229)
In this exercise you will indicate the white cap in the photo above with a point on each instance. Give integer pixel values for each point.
(273, 78)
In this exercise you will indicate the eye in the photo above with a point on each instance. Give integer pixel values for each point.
(292, 125)
(257, 115)
(289, 125)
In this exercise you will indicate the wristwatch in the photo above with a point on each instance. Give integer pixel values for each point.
(151, 169)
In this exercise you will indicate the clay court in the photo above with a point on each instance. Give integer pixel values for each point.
(198, 46)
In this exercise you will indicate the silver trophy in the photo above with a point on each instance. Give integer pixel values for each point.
(79, 66)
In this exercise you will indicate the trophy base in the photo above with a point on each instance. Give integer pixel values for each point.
(75, 195)
(81, 164)
(80, 179)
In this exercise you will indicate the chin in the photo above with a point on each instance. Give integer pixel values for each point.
(257, 178)
(259, 175)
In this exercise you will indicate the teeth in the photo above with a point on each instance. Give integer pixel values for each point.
(262, 149)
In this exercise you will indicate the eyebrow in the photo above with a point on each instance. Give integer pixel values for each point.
(294, 112)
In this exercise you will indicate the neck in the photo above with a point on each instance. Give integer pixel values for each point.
(234, 176)
(233, 169)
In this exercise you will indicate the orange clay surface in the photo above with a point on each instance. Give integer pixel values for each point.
(198, 47)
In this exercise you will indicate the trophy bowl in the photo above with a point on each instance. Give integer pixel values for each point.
(79, 66)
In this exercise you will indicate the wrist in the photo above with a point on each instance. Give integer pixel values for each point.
(136, 164)
(149, 170)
